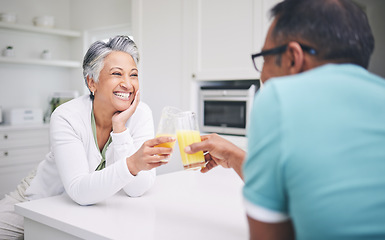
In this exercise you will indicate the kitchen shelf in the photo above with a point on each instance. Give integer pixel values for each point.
(57, 63)
(52, 31)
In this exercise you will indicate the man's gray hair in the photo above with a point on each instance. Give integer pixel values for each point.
(94, 58)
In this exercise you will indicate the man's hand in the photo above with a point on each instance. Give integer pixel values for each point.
(219, 151)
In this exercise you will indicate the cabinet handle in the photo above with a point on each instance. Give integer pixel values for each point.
(5, 136)
(5, 153)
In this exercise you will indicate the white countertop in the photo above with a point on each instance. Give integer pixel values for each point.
(181, 205)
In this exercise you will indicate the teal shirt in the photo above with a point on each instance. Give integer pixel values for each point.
(317, 152)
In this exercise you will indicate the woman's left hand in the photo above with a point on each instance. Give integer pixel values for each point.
(119, 119)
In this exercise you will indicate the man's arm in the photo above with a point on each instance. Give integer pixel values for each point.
(271, 231)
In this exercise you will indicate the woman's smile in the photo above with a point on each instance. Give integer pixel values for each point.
(123, 95)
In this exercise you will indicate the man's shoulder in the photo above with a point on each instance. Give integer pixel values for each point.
(324, 77)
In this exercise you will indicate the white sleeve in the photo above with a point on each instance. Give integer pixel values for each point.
(263, 214)
(83, 185)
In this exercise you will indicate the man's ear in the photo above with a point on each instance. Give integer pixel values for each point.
(91, 84)
(295, 58)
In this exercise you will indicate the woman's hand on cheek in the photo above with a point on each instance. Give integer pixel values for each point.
(149, 156)
(120, 118)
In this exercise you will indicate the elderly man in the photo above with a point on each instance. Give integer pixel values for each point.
(316, 155)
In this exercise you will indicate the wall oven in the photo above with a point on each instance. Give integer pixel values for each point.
(225, 109)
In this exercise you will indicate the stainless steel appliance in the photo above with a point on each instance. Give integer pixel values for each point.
(225, 108)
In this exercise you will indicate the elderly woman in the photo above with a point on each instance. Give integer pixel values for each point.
(100, 143)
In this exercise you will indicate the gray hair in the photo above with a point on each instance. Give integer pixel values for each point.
(94, 58)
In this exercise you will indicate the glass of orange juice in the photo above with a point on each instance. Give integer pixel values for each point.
(166, 125)
(187, 132)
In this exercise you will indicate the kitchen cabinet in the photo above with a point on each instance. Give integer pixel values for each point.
(226, 34)
(30, 41)
(21, 149)
(266, 21)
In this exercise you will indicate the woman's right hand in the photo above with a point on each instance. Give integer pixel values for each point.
(149, 156)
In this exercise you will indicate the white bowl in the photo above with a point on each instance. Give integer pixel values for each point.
(44, 21)
(8, 17)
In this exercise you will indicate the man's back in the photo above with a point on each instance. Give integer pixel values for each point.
(317, 152)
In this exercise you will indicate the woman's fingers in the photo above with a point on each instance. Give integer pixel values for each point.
(160, 140)
(160, 151)
(158, 158)
(157, 164)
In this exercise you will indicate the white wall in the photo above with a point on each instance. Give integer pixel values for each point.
(86, 15)
(90, 14)
(375, 12)
(161, 43)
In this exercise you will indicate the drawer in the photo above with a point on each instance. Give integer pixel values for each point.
(24, 137)
(18, 157)
(11, 176)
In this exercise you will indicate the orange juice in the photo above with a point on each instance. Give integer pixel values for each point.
(166, 144)
(185, 138)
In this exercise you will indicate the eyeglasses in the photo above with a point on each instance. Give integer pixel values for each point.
(258, 62)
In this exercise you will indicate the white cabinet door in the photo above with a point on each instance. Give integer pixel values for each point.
(227, 33)
(266, 20)
(21, 149)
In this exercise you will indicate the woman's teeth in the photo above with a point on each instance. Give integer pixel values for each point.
(123, 95)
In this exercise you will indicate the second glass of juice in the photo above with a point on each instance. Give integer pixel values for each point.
(166, 125)
(187, 132)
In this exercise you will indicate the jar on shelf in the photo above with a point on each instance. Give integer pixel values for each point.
(8, 17)
(9, 52)
(46, 54)
(44, 21)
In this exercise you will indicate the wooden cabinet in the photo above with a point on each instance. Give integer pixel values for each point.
(21, 149)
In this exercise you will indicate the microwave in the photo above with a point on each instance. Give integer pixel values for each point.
(225, 109)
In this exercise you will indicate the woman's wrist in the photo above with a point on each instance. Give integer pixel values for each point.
(118, 128)
(131, 166)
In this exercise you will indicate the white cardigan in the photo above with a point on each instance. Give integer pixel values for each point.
(74, 156)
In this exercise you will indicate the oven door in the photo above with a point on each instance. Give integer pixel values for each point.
(226, 115)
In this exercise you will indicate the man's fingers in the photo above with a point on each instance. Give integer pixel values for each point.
(210, 165)
(205, 145)
(196, 147)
